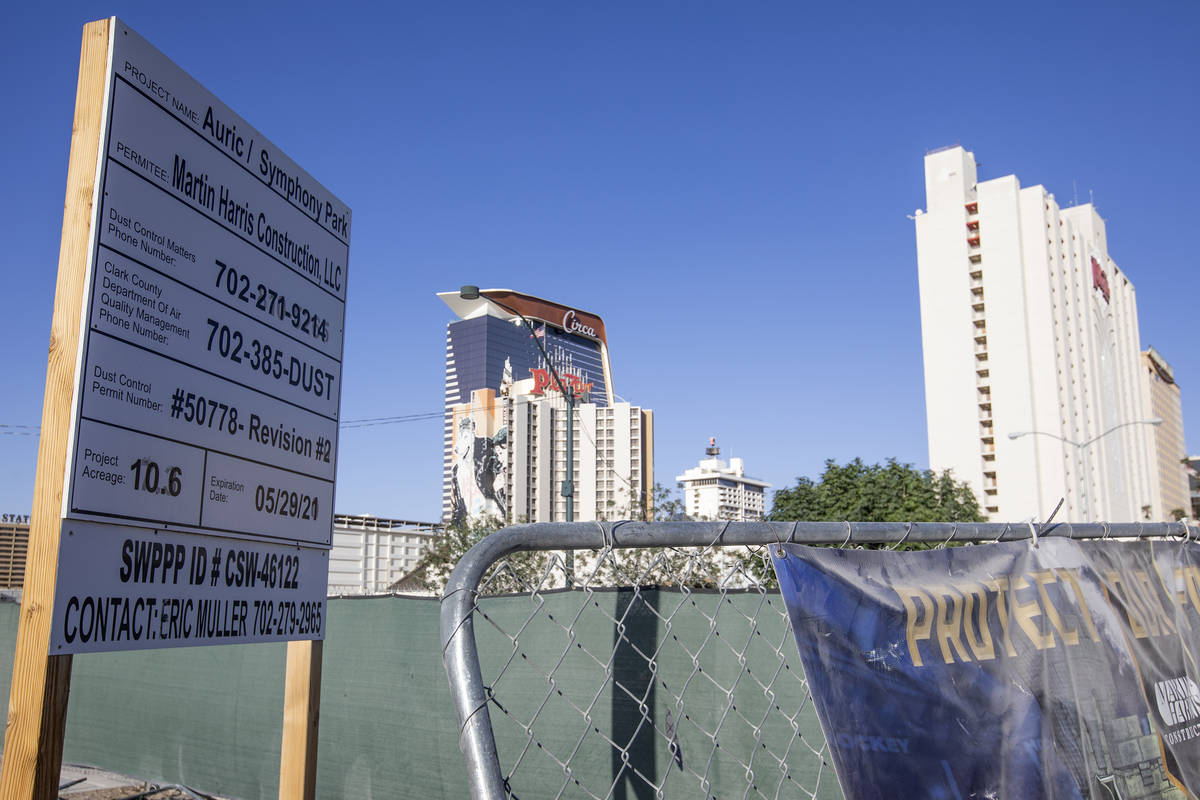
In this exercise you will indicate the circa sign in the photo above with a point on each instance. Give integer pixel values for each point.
(199, 490)
(571, 324)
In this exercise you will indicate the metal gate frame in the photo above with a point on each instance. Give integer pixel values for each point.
(460, 655)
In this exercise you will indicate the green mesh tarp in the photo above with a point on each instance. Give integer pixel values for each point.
(571, 674)
(210, 717)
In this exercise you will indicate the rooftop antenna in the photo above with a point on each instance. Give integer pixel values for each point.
(1075, 190)
(1091, 198)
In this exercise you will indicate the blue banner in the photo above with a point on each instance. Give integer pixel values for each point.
(1066, 670)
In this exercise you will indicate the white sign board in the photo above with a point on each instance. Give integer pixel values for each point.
(209, 378)
(127, 588)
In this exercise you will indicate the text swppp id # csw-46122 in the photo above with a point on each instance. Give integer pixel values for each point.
(128, 588)
(209, 380)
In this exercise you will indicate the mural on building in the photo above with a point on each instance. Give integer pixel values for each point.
(478, 470)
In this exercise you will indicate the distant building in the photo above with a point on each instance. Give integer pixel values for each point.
(1033, 378)
(14, 550)
(505, 430)
(371, 554)
(1169, 443)
(613, 453)
(1193, 472)
(717, 490)
(526, 459)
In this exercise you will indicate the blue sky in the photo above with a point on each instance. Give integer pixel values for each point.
(725, 183)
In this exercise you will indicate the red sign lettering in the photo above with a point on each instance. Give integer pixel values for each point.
(1100, 280)
(543, 380)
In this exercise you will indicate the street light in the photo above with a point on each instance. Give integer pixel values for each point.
(1087, 478)
(470, 292)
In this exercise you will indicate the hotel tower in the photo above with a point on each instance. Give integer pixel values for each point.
(1033, 375)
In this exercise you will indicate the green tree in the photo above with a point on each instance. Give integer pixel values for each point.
(858, 492)
(519, 572)
(522, 572)
(695, 567)
(889, 492)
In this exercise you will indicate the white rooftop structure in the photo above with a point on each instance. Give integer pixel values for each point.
(716, 490)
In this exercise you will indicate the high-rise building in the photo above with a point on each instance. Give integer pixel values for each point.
(1170, 450)
(1033, 377)
(505, 429)
(613, 454)
(1193, 473)
(716, 490)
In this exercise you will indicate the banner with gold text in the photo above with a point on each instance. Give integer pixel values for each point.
(1066, 670)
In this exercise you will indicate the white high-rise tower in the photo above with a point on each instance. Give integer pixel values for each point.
(1029, 328)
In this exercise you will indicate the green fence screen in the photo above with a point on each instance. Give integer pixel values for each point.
(210, 717)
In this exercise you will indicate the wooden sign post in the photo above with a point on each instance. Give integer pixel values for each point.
(37, 706)
(185, 476)
(301, 715)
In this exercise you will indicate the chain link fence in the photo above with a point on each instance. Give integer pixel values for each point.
(662, 665)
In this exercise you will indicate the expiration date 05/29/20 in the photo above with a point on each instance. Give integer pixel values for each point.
(285, 502)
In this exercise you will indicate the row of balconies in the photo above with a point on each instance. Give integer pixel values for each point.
(987, 439)
(972, 225)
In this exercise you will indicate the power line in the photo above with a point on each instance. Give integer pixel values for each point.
(371, 422)
(368, 422)
(31, 430)
(364, 422)
(19, 430)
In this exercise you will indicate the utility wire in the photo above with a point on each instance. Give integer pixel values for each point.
(370, 422)
(32, 430)
(365, 422)
(19, 430)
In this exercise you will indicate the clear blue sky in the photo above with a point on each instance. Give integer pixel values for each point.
(725, 183)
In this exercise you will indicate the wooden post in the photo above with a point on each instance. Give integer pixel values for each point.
(301, 715)
(37, 704)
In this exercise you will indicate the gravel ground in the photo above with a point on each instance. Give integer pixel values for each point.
(124, 792)
(99, 784)
(133, 790)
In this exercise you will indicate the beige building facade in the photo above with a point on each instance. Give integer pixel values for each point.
(1170, 448)
(613, 458)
